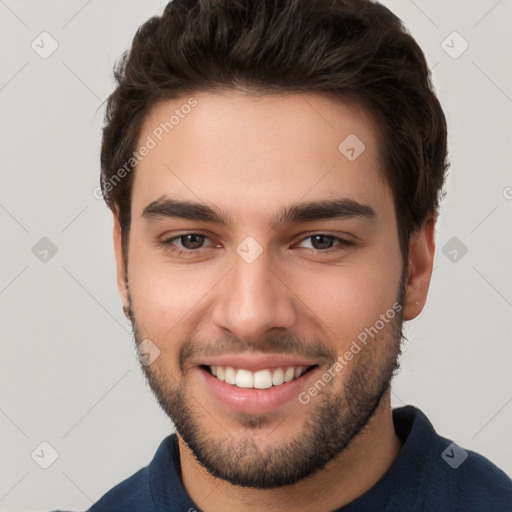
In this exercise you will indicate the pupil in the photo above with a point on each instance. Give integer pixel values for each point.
(326, 244)
(196, 241)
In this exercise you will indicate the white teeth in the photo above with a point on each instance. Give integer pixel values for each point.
(278, 377)
(262, 379)
(289, 374)
(244, 379)
(230, 375)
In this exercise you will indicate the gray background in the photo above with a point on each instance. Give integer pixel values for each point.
(68, 373)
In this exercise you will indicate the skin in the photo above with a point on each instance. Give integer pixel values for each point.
(249, 157)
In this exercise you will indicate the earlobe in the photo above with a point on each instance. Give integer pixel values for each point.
(120, 262)
(419, 271)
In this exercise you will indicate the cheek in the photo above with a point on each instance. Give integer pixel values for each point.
(165, 296)
(351, 298)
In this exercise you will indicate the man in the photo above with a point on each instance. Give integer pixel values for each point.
(274, 170)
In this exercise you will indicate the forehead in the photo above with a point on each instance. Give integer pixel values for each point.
(249, 153)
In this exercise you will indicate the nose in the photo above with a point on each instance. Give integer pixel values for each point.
(254, 299)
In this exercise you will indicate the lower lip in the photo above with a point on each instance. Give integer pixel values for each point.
(255, 401)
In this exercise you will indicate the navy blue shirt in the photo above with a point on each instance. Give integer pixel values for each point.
(430, 474)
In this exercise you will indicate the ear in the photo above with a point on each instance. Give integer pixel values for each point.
(120, 265)
(419, 270)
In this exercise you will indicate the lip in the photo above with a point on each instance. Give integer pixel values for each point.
(256, 401)
(255, 362)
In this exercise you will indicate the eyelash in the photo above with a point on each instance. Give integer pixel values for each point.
(168, 244)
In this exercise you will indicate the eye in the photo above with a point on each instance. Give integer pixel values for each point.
(191, 241)
(185, 243)
(324, 243)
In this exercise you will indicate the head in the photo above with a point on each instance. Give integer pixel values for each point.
(274, 170)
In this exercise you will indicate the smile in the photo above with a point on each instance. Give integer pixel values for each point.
(267, 386)
(261, 379)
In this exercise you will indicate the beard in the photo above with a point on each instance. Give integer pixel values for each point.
(337, 416)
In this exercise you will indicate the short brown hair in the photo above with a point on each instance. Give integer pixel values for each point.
(354, 50)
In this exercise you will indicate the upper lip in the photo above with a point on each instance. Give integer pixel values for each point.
(255, 362)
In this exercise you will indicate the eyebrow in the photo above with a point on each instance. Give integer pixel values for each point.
(342, 208)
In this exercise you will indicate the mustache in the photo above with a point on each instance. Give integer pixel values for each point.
(196, 348)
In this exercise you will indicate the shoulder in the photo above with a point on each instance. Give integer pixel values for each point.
(134, 493)
(481, 485)
(144, 489)
(449, 476)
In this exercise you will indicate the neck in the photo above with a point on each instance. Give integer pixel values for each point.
(356, 470)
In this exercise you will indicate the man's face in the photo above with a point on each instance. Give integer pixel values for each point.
(270, 288)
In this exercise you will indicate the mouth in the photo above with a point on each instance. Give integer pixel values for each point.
(259, 390)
